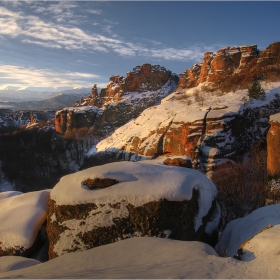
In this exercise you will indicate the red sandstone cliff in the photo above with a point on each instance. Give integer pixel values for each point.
(273, 140)
(243, 61)
(122, 100)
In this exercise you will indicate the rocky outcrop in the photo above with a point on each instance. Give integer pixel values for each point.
(144, 200)
(211, 135)
(230, 61)
(122, 100)
(74, 118)
(271, 54)
(273, 140)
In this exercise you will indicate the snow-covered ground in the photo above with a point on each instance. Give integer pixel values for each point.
(146, 257)
(153, 258)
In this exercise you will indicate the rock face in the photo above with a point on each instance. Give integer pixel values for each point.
(122, 100)
(229, 61)
(73, 118)
(273, 140)
(148, 199)
(210, 135)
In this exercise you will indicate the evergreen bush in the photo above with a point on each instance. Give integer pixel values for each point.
(255, 91)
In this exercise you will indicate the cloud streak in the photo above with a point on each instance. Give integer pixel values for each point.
(25, 77)
(34, 30)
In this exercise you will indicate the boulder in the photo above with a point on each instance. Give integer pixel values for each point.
(22, 218)
(238, 232)
(130, 199)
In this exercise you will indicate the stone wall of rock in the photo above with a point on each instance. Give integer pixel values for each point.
(273, 140)
(228, 61)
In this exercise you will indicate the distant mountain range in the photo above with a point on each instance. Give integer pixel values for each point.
(51, 100)
(31, 94)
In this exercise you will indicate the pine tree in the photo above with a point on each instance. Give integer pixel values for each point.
(255, 91)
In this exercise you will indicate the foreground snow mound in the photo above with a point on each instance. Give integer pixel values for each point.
(132, 198)
(151, 258)
(262, 244)
(14, 263)
(239, 230)
(9, 194)
(21, 217)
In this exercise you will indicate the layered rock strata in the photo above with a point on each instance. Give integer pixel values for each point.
(148, 200)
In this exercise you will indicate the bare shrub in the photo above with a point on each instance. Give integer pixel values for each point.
(199, 97)
(242, 187)
(182, 97)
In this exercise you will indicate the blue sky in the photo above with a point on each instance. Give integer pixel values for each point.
(58, 44)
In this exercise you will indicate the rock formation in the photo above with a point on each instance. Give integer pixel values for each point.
(122, 100)
(137, 199)
(273, 140)
(210, 135)
(229, 61)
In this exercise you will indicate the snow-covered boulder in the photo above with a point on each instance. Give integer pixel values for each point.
(240, 230)
(21, 218)
(107, 203)
(261, 245)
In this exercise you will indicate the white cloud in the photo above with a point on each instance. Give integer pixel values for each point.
(34, 30)
(11, 75)
(97, 12)
(48, 45)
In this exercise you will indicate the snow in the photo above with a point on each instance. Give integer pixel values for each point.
(21, 217)
(139, 183)
(13, 263)
(9, 194)
(262, 244)
(239, 230)
(275, 118)
(153, 258)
